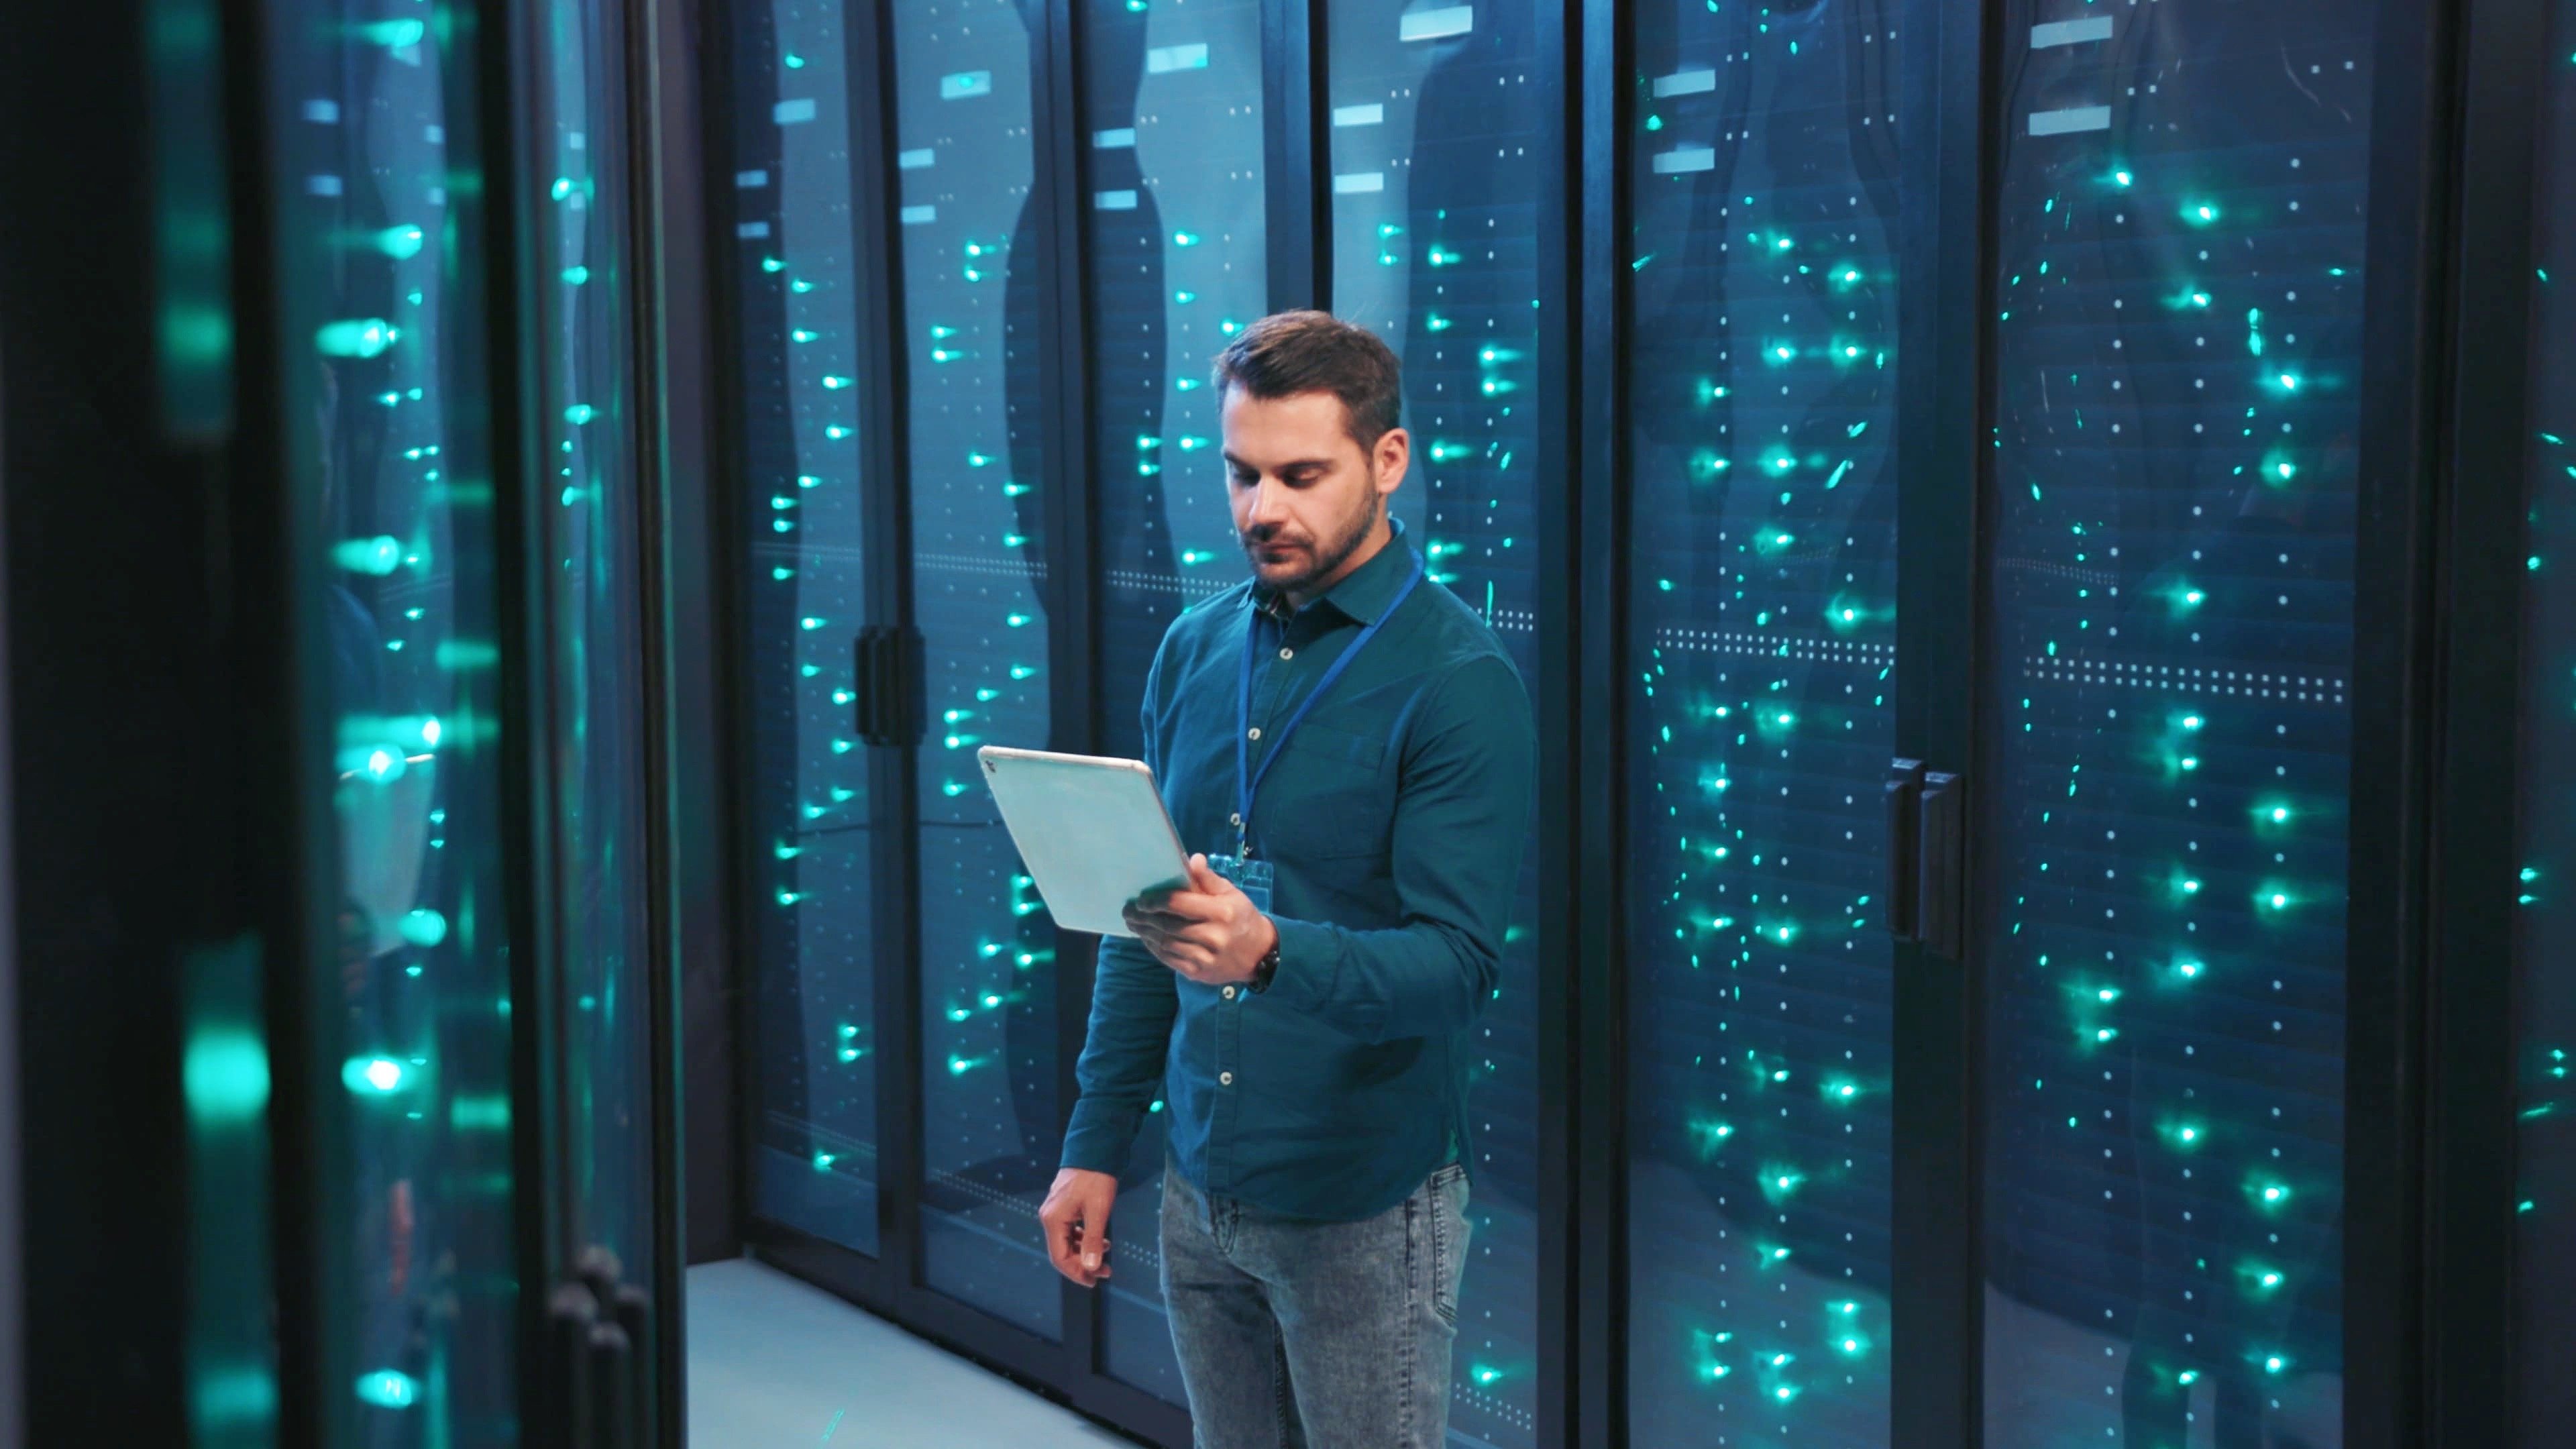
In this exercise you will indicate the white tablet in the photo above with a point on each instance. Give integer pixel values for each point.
(1092, 830)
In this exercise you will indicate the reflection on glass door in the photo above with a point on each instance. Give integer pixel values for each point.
(974, 255)
(1761, 713)
(1440, 120)
(814, 1145)
(2179, 229)
(2545, 954)
(593, 657)
(388, 317)
(1172, 143)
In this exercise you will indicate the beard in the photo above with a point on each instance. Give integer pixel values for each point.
(1323, 557)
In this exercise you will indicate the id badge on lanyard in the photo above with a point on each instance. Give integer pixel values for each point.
(1252, 877)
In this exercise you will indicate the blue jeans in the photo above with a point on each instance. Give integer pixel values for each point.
(1313, 1335)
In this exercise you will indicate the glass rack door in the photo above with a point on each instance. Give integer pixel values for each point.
(1176, 250)
(586, 424)
(385, 324)
(2179, 250)
(974, 257)
(1440, 118)
(1761, 712)
(813, 1155)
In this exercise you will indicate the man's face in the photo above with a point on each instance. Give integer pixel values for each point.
(1305, 496)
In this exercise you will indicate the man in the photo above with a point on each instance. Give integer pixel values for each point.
(1351, 752)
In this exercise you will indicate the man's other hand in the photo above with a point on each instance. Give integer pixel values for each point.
(1076, 1216)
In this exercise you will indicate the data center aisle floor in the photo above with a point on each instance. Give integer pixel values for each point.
(774, 1362)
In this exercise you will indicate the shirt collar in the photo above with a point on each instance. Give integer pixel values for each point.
(1365, 594)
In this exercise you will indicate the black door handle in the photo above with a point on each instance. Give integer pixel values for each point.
(1941, 904)
(1927, 895)
(1904, 796)
(599, 1393)
(613, 1371)
(569, 1397)
(633, 1311)
(892, 695)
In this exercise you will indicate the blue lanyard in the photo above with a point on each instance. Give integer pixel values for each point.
(1248, 780)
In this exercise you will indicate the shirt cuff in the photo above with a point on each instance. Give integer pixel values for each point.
(1308, 961)
(1099, 1139)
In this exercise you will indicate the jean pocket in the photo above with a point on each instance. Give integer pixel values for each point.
(1447, 1211)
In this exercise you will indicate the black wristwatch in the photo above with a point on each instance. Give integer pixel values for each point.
(1268, 967)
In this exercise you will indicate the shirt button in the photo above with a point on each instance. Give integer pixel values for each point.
(1229, 993)
(1225, 1079)
(1235, 820)
(1287, 653)
(1256, 734)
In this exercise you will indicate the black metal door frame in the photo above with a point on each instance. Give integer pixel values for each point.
(1583, 1395)
(2470, 1360)
(1947, 164)
(2405, 326)
(688, 829)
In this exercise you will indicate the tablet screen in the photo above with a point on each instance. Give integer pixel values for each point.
(1092, 831)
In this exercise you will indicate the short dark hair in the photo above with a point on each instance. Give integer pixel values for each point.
(1287, 353)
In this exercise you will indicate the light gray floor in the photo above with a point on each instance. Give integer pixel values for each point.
(773, 1362)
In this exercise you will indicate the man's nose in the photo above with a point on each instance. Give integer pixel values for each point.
(1269, 504)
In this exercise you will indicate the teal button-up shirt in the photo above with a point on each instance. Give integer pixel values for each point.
(1394, 819)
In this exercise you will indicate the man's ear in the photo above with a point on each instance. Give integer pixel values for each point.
(1394, 455)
